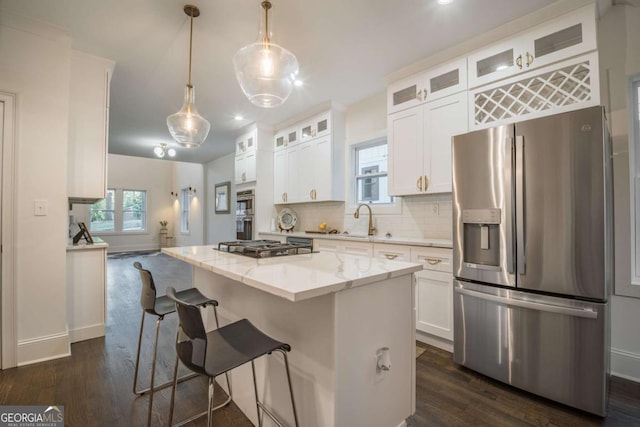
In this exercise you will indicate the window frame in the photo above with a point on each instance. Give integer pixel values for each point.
(118, 209)
(185, 211)
(393, 208)
(632, 288)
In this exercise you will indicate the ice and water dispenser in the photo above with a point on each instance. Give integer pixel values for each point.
(481, 237)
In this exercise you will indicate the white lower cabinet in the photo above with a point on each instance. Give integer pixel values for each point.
(343, 246)
(86, 278)
(434, 292)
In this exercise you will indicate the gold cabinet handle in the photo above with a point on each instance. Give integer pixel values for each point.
(419, 95)
(433, 261)
(426, 183)
(391, 256)
(283, 199)
(425, 93)
(419, 184)
(529, 59)
(244, 176)
(315, 194)
(311, 194)
(519, 61)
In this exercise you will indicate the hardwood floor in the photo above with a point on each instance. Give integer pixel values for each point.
(94, 384)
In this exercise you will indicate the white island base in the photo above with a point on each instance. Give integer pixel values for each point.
(350, 308)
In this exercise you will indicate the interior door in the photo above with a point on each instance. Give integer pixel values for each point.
(560, 204)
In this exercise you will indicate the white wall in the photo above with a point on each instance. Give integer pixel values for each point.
(220, 227)
(189, 175)
(619, 58)
(35, 65)
(137, 173)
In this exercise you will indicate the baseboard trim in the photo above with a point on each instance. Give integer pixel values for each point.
(440, 343)
(625, 364)
(86, 333)
(44, 348)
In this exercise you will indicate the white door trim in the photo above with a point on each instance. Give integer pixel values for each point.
(9, 342)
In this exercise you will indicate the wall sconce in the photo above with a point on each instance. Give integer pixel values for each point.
(192, 191)
(174, 195)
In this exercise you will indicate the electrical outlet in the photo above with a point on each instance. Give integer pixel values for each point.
(435, 209)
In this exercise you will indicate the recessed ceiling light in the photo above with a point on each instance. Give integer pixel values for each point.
(445, 1)
(238, 117)
(298, 82)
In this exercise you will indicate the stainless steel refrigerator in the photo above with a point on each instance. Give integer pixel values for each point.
(532, 253)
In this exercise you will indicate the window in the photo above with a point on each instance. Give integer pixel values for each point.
(103, 213)
(121, 210)
(185, 203)
(134, 214)
(371, 174)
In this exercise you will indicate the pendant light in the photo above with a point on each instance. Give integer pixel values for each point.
(187, 127)
(265, 70)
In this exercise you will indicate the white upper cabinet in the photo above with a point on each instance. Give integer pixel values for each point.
(311, 169)
(246, 156)
(556, 40)
(88, 126)
(428, 86)
(316, 126)
(286, 137)
(420, 145)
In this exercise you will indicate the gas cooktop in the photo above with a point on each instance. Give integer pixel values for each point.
(266, 248)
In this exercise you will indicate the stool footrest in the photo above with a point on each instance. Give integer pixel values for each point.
(164, 385)
(202, 414)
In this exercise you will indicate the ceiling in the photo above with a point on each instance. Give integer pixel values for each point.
(345, 48)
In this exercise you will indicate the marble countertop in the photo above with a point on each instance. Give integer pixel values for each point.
(295, 277)
(434, 243)
(82, 245)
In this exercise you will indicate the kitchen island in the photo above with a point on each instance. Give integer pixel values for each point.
(336, 311)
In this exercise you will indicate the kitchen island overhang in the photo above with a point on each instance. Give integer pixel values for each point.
(336, 311)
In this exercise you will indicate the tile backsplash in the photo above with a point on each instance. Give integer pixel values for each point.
(421, 217)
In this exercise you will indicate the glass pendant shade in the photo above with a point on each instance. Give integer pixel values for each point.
(187, 127)
(266, 72)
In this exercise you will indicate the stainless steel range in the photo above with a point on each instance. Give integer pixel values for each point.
(268, 248)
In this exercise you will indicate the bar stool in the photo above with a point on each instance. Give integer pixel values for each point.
(160, 307)
(219, 351)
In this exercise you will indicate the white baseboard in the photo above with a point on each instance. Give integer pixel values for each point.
(625, 364)
(43, 348)
(440, 343)
(86, 333)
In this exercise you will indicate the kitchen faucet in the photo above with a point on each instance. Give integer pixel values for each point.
(356, 215)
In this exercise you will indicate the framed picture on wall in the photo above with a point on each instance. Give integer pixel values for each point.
(222, 197)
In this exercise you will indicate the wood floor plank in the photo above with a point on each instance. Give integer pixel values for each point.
(94, 384)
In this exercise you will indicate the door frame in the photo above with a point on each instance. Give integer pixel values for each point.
(9, 342)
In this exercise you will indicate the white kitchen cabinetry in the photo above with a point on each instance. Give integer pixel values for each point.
(343, 246)
(392, 252)
(86, 278)
(245, 166)
(316, 126)
(311, 170)
(433, 84)
(88, 126)
(562, 38)
(286, 137)
(420, 145)
(434, 292)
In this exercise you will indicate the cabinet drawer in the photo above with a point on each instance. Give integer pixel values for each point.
(391, 252)
(432, 259)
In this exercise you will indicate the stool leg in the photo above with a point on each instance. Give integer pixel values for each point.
(293, 403)
(255, 390)
(212, 386)
(153, 371)
(135, 375)
(173, 391)
(226, 374)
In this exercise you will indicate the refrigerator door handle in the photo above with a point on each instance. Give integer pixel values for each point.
(558, 309)
(509, 205)
(521, 258)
